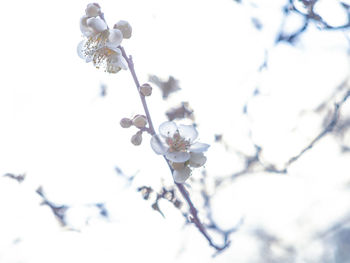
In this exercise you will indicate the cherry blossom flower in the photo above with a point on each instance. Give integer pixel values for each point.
(178, 144)
(100, 44)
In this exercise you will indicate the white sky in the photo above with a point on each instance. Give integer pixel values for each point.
(57, 130)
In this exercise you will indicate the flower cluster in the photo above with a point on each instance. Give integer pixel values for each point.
(100, 44)
(178, 144)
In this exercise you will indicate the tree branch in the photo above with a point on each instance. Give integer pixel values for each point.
(193, 211)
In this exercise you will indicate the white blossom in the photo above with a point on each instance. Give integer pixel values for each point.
(100, 45)
(102, 49)
(178, 144)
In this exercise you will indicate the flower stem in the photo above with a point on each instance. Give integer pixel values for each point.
(137, 83)
(193, 211)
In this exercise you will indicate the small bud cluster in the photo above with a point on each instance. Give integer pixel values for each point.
(101, 44)
(168, 194)
(140, 122)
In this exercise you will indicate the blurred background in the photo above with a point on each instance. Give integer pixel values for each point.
(265, 82)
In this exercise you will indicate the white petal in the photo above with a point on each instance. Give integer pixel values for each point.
(96, 24)
(80, 49)
(167, 128)
(84, 27)
(199, 147)
(180, 176)
(81, 54)
(197, 159)
(88, 59)
(158, 144)
(188, 132)
(117, 61)
(115, 37)
(178, 157)
(116, 50)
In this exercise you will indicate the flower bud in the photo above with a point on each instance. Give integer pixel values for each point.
(125, 122)
(136, 139)
(92, 10)
(146, 89)
(125, 27)
(180, 176)
(140, 121)
(197, 159)
(178, 166)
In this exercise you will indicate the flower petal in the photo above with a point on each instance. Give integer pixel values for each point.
(168, 128)
(96, 24)
(81, 54)
(115, 37)
(80, 49)
(199, 147)
(177, 157)
(158, 144)
(197, 159)
(188, 132)
(84, 27)
(180, 176)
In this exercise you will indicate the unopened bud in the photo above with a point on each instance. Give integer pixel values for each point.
(125, 122)
(178, 166)
(146, 89)
(125, 27)
(140, 121)
(136, 139)
(93, 10)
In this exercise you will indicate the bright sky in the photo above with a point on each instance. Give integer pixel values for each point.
(58, 130)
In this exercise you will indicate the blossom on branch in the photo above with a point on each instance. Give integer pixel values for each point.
(101, 44)
(178, 144)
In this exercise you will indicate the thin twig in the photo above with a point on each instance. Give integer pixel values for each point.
(137, 83)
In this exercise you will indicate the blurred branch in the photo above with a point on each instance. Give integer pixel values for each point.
(253, 163)
(309, 16)
(329, 128)
(167, 87)
(58, 210)
(18, 177)
(209, 214)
